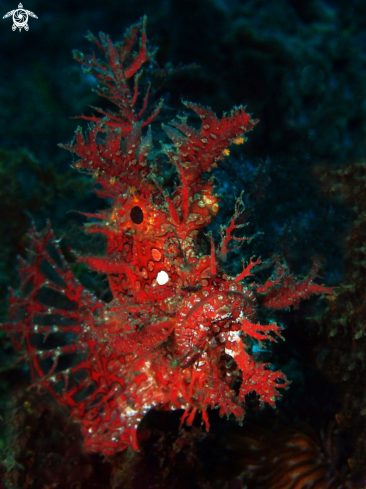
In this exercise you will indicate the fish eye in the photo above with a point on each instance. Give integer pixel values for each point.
(136, 215)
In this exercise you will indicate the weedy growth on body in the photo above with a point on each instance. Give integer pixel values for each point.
(175, 335)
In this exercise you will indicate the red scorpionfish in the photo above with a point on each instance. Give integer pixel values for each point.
(176, 334)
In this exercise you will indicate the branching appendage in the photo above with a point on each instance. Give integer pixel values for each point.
(226, 231)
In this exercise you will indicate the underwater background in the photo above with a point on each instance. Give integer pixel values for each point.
(300, 68)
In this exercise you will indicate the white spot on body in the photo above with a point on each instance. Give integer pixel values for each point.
(162, 277)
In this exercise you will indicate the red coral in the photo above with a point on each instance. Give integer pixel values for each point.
(176, 317)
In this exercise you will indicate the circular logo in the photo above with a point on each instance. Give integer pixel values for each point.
(20, 19)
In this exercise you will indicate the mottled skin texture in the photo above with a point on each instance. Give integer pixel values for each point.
(175, 334)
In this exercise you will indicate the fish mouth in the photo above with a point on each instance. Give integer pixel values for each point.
(194, 353)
